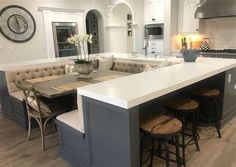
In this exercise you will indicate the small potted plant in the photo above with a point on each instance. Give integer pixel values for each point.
(83, 65)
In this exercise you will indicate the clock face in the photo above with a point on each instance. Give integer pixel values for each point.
(17, 24)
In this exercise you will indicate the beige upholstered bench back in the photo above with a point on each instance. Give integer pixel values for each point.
(31, 73)
(129, 66)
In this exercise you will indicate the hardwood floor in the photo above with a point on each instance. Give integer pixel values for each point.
(15, 151)
(216, 152)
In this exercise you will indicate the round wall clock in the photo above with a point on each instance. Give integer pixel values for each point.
(17, 24)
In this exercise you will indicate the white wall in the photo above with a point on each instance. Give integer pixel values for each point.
(33, 49)
(36, 47)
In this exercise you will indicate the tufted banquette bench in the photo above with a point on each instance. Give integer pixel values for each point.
(12, 99)
(134, 67)
(19, 75)
(131, 66)
(23, 74)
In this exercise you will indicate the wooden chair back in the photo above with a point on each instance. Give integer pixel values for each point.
(30, 97)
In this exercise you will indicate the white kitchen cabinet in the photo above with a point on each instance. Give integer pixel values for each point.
(186, 21)
(155, 47)
(153, 11)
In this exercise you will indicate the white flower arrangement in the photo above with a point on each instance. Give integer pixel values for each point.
(80, 41)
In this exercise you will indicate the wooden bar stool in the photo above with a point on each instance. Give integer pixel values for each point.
(162, 129)
(184, 107)
(209, 96)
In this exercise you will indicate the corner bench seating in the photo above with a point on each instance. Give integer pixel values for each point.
(72, 119)
(31, 73)
(12, 99)
(23, 74)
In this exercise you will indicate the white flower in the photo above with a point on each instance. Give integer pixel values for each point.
(80, 40)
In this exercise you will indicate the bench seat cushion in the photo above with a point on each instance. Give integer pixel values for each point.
(18, 95)
(73, 120)
(105, 63)
(130, 66)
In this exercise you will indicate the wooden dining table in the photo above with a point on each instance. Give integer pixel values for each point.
(61, 85)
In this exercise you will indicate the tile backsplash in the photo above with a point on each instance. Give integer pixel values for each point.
(221, 32)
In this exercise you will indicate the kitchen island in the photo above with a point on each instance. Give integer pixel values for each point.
(111, 109)
(134, 90)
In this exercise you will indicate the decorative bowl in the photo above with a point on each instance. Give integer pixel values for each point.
(190, 55)
(84, 70)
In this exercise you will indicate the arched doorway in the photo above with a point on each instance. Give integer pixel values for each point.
(94, 26)
(121, 22)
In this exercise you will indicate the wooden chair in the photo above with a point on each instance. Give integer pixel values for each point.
(38, 110)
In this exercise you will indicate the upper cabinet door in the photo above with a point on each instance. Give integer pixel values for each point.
(187, 22)
(153, 11)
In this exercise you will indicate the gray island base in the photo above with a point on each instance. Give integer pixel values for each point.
(111, 137)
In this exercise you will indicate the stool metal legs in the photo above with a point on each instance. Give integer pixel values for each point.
(183, 139)
(167, 153)
(217, 118)
(177, 151)
(194, 127)
(152, 153)
(194, 133)
(141, 151)
(166, 150)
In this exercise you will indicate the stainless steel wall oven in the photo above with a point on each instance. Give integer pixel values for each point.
(154, 31)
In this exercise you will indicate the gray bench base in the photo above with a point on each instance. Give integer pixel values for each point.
(74, 147)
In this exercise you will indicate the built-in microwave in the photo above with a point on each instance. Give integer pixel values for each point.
(154, 31)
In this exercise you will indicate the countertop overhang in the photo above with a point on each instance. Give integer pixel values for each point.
(130, 91)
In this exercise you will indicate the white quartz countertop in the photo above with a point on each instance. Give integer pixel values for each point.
(130, 91)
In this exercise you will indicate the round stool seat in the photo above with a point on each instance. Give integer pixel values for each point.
(206, 92)
(181, 104)
(162, 125)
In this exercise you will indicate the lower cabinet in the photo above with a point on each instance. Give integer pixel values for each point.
(155, 47)
(229, 104)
